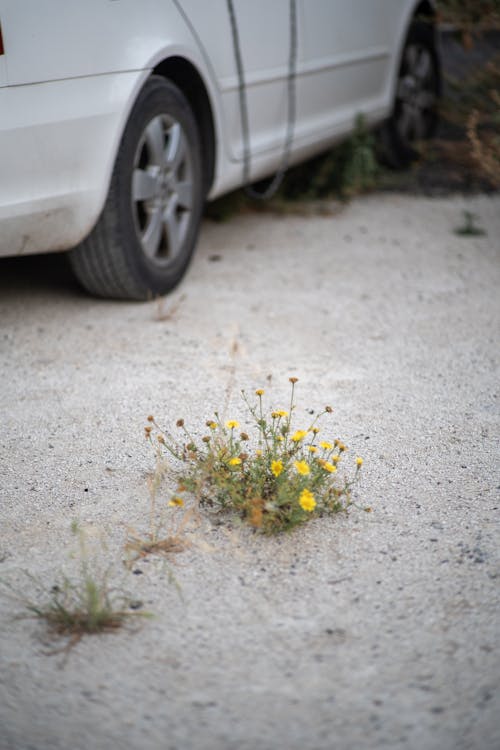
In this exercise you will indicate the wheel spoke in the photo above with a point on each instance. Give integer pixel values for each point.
(423, 67)
(152, 234)
(411, 59)
(176, 148)
(171, 224)
(155, 139)
(185, 195)
(144, 184)
(403, 90)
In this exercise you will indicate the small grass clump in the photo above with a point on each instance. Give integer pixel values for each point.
(469, 227)
(289, 476)
(84, 606)
(75, 609)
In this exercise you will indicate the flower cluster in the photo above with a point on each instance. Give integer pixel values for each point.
(286, 478)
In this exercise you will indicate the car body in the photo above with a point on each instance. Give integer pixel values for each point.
(72, 75)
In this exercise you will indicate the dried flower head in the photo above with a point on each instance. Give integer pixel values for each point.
(180, 423)
(176, 502)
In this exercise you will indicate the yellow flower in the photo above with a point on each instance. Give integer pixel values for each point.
(259, 392)
(315, 430)
(299, 435)
(279, 438)
(359, 461)
(329, 467)
(302, 467)
(307, 501)
(312, 449)
(258, 453)
(211, 424)
(176, 502)
(232, 424)
(326, 446)
(234, 461)
(279, 413)
(276, 468)
(335, 458)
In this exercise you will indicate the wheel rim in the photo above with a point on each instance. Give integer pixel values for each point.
(162, 189)
(416, 94)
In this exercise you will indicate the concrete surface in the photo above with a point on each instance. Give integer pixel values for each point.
(363, 632)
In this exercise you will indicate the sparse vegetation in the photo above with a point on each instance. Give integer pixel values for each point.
(469, 227)
(283, 479)
(470, 17)
(474, 107)
(86, 605)
(347, 170)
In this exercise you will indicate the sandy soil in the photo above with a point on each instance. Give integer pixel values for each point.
(363, 632)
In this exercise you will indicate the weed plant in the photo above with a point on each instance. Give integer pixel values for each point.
(470, 16)
(86, 605)
(346, 170)
(284, 479)
(350, 168)
(469, 227)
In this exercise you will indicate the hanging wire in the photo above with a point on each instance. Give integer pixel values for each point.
(291, 87)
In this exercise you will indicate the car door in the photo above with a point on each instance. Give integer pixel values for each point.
(346, 55)
(264, 40)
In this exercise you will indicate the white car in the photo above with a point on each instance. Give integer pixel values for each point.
(119, 118)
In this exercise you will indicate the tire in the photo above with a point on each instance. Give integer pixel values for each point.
(143, 240)
(414, 115)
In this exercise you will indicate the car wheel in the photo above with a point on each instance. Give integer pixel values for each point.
(144, 238)
(414, 115)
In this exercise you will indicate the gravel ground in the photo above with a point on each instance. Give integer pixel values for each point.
(362, 632)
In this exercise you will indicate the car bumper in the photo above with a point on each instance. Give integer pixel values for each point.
(58, 143)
